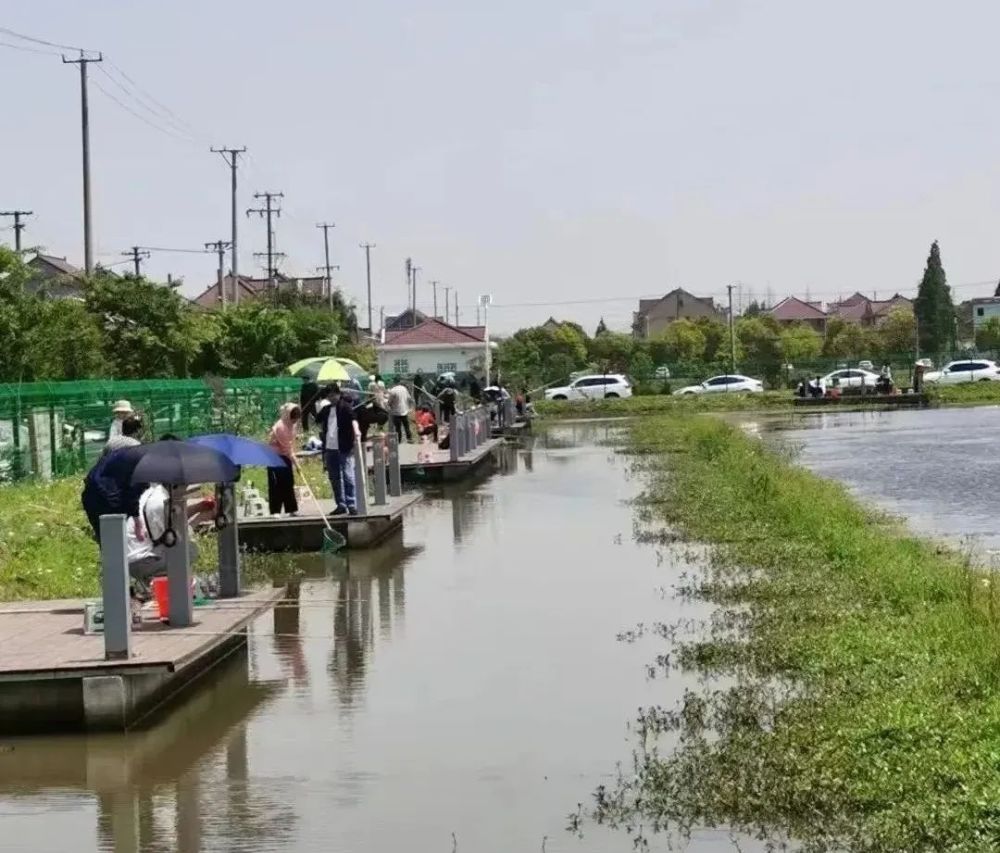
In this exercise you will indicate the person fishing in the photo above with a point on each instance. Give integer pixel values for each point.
(448, 398)
(281, 479)
(399, 409)
(339, 432)
(131, 429)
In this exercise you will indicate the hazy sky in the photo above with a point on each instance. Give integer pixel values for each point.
(542, 152)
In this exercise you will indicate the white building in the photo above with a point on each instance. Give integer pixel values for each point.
(983, 309)
(432, 347)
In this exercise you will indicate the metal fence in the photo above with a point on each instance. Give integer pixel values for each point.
(54, 429)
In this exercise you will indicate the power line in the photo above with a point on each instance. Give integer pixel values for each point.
(158, 120)
(35, 40)
(27, 49)
(162, 129)
(164, 109)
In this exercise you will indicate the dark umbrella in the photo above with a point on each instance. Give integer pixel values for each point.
(172, 463)
(239, 450)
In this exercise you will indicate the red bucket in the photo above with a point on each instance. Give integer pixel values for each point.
(162, 595)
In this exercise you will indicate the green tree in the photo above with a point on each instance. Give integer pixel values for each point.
(846, 340)
(933, 306)
(640, 365)
(253, 339)
(601, 328)
(716, 339)
(65, 342)
(897, 332)
(988, 335)
(683, 341)
(800, 343)
(611, 351)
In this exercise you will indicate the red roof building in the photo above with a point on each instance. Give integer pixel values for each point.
(432, 347)
(868, 312)
(793, 310)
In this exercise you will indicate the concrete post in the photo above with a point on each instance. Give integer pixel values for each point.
(360, 479)
(229, 542)
(115, 589)
(470, 443)
(181, 611)
(454, 439)
(378, 470)
(395, 474)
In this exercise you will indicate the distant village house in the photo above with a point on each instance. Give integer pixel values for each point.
(654, 315)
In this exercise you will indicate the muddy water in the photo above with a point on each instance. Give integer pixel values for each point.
(460, 688)
(938, 468)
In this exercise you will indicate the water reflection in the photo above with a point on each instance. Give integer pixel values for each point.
(460, 681)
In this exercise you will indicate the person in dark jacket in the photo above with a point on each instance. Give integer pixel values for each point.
(309, 396)
(338, 430)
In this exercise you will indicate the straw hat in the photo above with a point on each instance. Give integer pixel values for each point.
(123, 407)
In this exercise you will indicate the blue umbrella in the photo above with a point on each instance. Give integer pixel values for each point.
(172, 463)
(239, 450)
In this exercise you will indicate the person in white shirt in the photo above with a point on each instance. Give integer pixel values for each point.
(400, 404)
(122, 409)
(146, 537)
(376, 388)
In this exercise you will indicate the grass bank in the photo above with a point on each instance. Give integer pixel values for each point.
(863, 706)
(47, 550)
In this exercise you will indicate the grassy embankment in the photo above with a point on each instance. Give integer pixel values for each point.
(46, 547)
(971, 394)
(865, 708)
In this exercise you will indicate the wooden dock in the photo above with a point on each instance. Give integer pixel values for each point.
(889, 400)
(54, 678)
(440, 468)
(304, 532)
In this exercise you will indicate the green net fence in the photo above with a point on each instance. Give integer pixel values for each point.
(59, 428)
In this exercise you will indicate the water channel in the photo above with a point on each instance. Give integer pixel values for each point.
(459, 689)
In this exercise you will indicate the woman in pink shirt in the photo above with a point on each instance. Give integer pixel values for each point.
(281, 481)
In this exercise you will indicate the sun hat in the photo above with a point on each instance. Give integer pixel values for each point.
(123, 407)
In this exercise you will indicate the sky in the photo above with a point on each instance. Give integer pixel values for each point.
(565, 158)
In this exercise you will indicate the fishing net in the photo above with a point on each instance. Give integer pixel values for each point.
(332, 541)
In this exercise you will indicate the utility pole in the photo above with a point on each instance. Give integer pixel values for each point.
(447, 314)
(269, 211)
(368, 276)
(732, 331)
(414, 270)
(219, 247)
(409, 284)
(231, 156)
(18, 225)
(137, 254)
(435, 284)
(88, 237)
(327, 271)
(326, 226)
(456, 307)
(478, 323)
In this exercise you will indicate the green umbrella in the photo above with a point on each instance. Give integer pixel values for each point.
(320, 369)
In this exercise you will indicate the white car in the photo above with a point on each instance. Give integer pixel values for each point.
(967, 370)
(851, 377)
(593, 387)
(732, 383)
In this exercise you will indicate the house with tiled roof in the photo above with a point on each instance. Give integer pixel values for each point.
(792, 310)
(56, 277)
(868, 312)
(431, 347)
(654, 315)
(252, 289)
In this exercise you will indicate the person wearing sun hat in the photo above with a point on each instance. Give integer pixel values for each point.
(122, 409)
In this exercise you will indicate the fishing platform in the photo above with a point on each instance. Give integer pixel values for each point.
(921, 400)
(55, 677)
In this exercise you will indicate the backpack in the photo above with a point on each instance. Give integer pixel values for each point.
(104, 495)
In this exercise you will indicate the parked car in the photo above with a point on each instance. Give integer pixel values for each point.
(865, 364)
(593, 387)
(851, 377)
(662, 372)
(731, 383)
(966, 370)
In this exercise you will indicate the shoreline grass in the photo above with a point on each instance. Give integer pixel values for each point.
(863, 711)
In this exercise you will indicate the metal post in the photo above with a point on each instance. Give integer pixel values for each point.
(115, 588)
(360, 479)
(378, 470)
(181, 610)
(460, 431)
(229, 542)
(395, 474)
